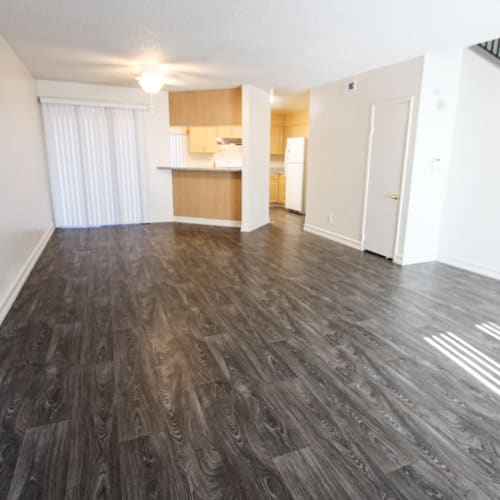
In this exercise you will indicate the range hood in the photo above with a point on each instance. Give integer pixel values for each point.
(226, 141)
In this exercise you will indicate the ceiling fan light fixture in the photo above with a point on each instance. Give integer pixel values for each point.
(152, 82)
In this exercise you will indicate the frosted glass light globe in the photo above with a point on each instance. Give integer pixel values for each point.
(151, 82)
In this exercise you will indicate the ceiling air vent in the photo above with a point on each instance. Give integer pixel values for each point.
(351, 86)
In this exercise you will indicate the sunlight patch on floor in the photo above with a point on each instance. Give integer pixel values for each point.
(472, 360)
(491, 329)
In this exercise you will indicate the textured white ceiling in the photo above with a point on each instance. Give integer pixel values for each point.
(292, 44)
(290, 100)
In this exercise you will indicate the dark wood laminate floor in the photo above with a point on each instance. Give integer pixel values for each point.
(175, 361)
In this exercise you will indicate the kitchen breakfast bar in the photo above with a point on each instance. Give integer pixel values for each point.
(206, 195)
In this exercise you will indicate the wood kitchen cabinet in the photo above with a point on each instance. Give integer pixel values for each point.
(229, 131)
(273, 188)
(207, 193)
(286, 125)
(277, 189)
(277, 146)
(204, 108)
(281, 188)
(202, 139)
(301, 130)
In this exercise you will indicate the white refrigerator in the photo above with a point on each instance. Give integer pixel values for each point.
(295, 160)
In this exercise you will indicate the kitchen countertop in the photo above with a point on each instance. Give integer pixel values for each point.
(277, 170)
(202, 169)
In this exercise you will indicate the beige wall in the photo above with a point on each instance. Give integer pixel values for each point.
(429, 177)
(339, 125)
(470, 230)
(25, 208)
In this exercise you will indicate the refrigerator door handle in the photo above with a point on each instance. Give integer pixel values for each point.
(287, 151)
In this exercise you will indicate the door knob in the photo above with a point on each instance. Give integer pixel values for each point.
(394, 196)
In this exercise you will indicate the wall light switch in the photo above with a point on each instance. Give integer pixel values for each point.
(436, 162)
(442, 105)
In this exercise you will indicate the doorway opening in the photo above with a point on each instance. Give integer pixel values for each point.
(288, 136)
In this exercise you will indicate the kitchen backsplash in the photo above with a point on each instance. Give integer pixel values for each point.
(277, 162)
(230, 155)
(225, 155)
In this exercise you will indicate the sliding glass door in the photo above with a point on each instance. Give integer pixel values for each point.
(96, 164)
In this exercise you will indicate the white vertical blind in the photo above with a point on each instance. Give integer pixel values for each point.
(177, 147)
(96, 164)
(97, 178)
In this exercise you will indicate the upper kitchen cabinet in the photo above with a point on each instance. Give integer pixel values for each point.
(277, 140)
(277, 128)
(286, 125)
(230, 131)
(296, 125)
(205, 108)
(202, 139)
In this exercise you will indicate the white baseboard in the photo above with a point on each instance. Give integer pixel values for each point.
(343, 240)
(398, 259)
(161, 220)
(206, 222)
(253, 227)
(408, 261)
(490, 272)
(23, 274)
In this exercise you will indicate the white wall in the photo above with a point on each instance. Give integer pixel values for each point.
(470, 231)
(338, 146)
(25, 209)
(159, 198)
(435, 124)
(256, 118)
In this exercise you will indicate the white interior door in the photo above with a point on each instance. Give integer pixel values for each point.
(385, 176)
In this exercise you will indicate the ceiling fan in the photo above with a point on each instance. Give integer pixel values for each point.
(152, 78)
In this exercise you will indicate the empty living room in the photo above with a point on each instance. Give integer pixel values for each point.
(249, 249)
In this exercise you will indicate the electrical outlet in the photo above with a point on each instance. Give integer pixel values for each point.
(330, 217)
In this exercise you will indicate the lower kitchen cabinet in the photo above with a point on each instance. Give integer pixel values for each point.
(273, 188)
(277, 189)
(281, 188)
